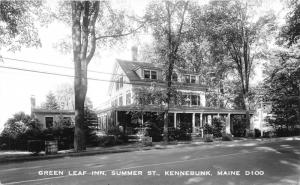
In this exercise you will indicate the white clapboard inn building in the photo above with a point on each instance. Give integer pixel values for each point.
(129, 76)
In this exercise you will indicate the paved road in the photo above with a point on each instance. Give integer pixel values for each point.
(229, 164)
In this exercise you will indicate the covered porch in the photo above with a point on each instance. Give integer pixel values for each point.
(192, 118)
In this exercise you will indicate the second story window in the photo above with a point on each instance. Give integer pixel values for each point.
(120, 100)
(119, 83)
(174, 77)
(128, 98)
(148, 74)
(193, 79)
(187, 78)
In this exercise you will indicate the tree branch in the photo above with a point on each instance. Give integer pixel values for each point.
(120, 35)
(93, 34)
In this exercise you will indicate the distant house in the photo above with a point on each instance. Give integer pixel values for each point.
(129, 76)
(51, 118)
(263, 111)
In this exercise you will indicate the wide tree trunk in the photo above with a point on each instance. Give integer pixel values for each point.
(80, 81)
(247, 109)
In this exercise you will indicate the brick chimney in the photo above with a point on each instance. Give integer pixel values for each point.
(134, 53)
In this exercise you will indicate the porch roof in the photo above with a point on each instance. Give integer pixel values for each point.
(48, 111)
(177, 109)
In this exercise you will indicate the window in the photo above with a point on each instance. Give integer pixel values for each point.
(121, 82)
(186, 100)
(194, 99)
(193, 79)
(117, 84)
(128, 98)
(153, 75)
(174, 77)
(49, 122)
(187, 78)
(148, 74)
(67, 121)
(120, 100)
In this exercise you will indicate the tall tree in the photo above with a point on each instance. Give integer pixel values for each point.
(168, 21)
(240, 38)
(93, 23)
(291, 31)
(65, 96)
(16, 125)
(282, 84)
(51, 102)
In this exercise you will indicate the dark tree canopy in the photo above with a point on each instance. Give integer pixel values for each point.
(18, 27)
(51, 102)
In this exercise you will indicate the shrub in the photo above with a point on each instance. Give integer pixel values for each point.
(208, 138)
(268, 134)
(207, 129)
(257, 133)
(217, 127)
(109, 140)
(35, 146)
(154, 131)
(227, 137)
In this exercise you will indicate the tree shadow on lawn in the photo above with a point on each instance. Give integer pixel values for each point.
(279, 165)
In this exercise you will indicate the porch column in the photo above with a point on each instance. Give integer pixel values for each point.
(252, 122)
(193, 123)
(227, 128)
(143, 119)
(175, 117)
(117, 123)
(209, 119)
(201, 123)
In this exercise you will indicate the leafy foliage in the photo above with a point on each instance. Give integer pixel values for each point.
(17, 24)
(218, 126)
(291, 31)
(51, 102)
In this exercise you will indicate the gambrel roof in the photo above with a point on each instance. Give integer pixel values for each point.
(130, 67)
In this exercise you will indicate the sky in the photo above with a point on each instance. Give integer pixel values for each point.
(16, 87)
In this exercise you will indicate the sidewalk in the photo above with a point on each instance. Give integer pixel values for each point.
(15, 156)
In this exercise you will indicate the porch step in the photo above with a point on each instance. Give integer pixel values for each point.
(196, 137)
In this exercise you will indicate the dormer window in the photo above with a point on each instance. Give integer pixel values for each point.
(174, 77)
(187, 78)
(193, 79)
(190, 79)
(149, 74)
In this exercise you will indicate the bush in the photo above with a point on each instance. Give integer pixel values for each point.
(109, 140)
(180, 134)
(154, 131)
(250, 134)
(268, 134)
(35, 146)
(63, 135)
(257, 133)
(207, 129)
(208, 138)
(217, 127)
(227, 137)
